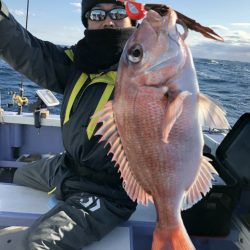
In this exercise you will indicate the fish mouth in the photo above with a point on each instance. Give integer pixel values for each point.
(163, 23)
(167, 34)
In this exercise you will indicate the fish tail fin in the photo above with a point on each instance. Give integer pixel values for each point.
(171, 238)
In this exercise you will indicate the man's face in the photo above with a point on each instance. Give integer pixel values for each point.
(108, 22)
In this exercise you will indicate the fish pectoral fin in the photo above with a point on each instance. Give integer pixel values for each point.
(109, 133)
(211, 114)
(201, 185)
(174, 109)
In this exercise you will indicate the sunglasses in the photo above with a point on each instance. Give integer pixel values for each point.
(117, 13)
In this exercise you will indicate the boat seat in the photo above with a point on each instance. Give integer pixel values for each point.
(119, 238)
(20, 206)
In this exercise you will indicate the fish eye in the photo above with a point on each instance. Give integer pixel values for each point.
(135, 53)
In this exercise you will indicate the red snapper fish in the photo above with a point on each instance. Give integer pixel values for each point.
(154, 126)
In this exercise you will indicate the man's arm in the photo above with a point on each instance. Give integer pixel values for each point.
(42, 62)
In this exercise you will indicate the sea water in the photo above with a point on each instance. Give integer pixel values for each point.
(227, 82)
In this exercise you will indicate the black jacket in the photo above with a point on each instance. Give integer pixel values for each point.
(50, 67)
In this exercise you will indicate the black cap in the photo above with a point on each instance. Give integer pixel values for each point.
(89, 4)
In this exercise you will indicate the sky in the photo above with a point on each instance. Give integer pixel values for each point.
(59, 21)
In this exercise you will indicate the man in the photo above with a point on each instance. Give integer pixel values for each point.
(92, 199)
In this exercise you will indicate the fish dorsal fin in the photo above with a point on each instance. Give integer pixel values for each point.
(174, 109)
(211, 114)
(201, 184)
(109, 133)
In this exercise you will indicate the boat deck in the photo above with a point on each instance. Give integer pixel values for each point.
(20, 206)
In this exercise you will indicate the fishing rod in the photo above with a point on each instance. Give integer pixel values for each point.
(20, 99)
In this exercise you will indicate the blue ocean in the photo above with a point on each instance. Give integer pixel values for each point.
(227, 82)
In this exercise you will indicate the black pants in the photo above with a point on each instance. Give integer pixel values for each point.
(79, 220)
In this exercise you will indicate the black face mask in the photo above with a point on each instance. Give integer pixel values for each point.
(100, 50)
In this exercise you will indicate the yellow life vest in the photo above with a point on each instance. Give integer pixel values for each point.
(108, 78)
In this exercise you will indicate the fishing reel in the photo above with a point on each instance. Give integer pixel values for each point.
(20, 100)
(17, 99)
